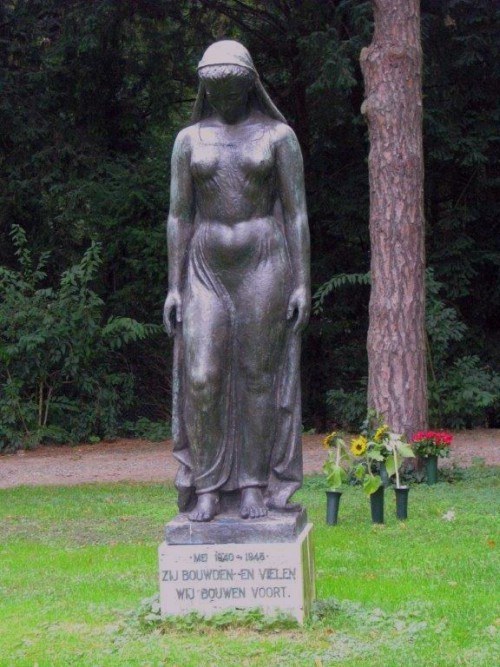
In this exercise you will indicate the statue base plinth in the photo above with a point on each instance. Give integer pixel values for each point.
(232, 563)
(229, 528)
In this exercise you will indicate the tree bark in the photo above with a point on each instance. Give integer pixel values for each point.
(392, 70)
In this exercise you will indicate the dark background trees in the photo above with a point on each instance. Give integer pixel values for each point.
(93, 94)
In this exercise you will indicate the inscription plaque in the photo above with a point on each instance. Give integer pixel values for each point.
(213, 577)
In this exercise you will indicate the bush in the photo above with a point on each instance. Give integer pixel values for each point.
(347, 409)
(58, 374)
(463, 391)
(156, 431)
(464, 394)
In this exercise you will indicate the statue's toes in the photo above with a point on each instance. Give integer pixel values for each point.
(256, 511)
(205, 510)
(245, 512)
(204, 514)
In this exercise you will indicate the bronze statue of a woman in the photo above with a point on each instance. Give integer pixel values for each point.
(239, 293)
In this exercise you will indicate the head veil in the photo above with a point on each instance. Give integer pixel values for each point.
(230, 52)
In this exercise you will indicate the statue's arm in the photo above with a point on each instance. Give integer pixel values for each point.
(292, 194)
(179, 227)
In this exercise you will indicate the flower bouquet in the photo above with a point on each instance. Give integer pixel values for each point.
(430, 445)
(383, 453)
(336, 475)
(370, 446)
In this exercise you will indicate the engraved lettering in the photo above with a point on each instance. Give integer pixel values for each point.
(259, 556)
(200, 558)
(207, 575)
(168, 575)
(247, 574)
(185, 593)
(223, 593)
(222, 557)
(268, 591)
(277, 573)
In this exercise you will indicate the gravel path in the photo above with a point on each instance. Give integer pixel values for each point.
(143, 461)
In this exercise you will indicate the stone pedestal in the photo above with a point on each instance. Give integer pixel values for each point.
(231, 563)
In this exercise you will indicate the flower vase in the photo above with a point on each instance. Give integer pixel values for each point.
(377, 505)
(332, 507)
(402, 502)
(431, 469)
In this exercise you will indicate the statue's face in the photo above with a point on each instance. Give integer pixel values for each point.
(228, 96)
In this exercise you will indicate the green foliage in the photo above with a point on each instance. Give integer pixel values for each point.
(334, 283)
(466, 394)
(58, 376)
(89, 162)
(378, 450)
(442, 321)
(148, 430)
(338, 463)
(335, 475)
(148, 618)
(463, 391)
(346, 408)
(400, 450)
(371, 483)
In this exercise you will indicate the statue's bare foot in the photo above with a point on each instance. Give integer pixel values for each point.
(206, 507)
(280, 506)
(252, 503)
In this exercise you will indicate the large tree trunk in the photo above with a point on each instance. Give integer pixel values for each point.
(392, 69)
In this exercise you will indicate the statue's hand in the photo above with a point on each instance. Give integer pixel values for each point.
(172, 311)
(300, 303)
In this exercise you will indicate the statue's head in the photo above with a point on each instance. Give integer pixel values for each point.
(228, 53)
(227, 86)
(227, 79)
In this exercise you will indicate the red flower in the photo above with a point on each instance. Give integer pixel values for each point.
(436, 438)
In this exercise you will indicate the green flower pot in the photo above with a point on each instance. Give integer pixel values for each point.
(402, 502)
(431, 469)
(332, 507)
(377, 505)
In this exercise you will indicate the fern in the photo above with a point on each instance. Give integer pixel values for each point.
(336, 282)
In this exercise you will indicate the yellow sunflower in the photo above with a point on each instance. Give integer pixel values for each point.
(359, 445)
(329, 440)
(380, 433)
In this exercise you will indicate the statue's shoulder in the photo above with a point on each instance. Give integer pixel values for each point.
(184, 140)
(281, 133)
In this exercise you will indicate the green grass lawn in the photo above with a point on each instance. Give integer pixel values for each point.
(74, 562)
